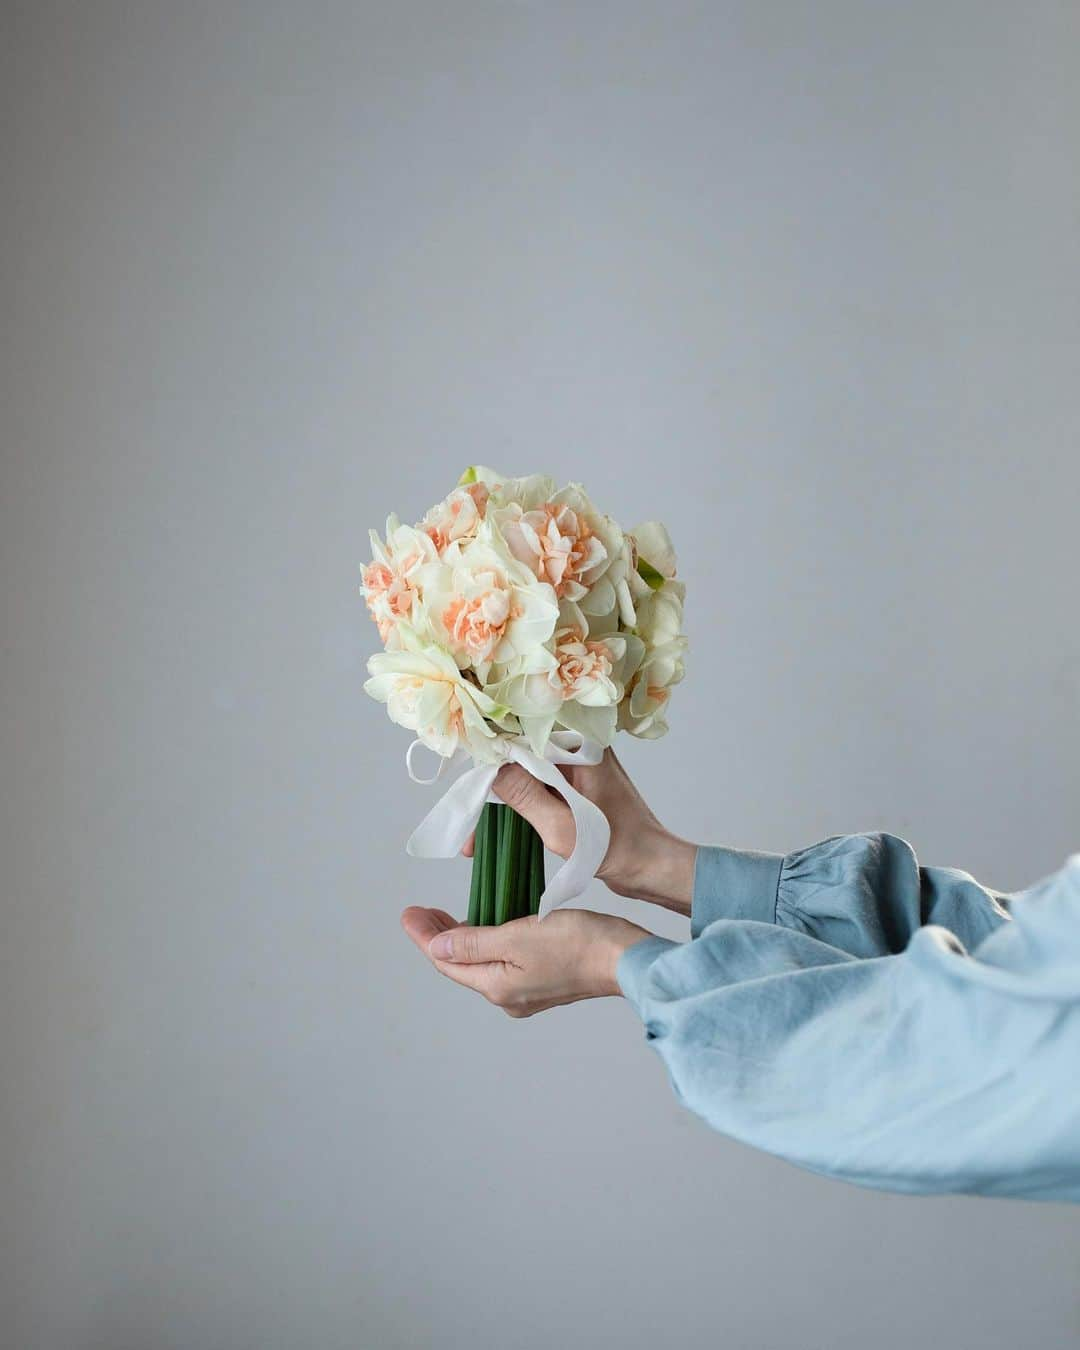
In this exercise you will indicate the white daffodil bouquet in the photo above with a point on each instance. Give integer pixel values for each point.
(521, 624)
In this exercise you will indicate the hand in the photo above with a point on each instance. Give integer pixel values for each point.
(644, 860)
(527, 965)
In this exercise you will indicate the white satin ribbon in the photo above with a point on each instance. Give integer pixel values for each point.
(445, 828)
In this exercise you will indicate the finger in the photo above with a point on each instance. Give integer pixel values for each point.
(608, 760)
(590, 779)
(478, 978)
(469, 846)
(545, 810)
(467, 946)
(422, 925)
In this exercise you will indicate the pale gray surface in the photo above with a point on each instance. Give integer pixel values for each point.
(801, 280)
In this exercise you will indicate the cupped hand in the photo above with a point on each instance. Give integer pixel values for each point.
(528, 965)
(644, 860)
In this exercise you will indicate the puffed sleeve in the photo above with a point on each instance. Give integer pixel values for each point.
(864, 894)
(933, 1069)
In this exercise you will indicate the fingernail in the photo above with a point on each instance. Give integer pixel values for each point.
(441, 947)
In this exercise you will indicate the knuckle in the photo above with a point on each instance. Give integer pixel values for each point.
(515, 785)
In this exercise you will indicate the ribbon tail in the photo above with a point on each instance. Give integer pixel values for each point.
(592, 834)
(443, 831)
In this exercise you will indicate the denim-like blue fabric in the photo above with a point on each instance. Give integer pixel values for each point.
(871, 1020)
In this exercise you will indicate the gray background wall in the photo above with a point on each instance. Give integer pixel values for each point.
(800, 279)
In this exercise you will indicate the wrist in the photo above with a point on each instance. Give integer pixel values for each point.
(664, 870)
(621, 935)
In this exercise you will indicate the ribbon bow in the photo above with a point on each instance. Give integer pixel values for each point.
(445, 828)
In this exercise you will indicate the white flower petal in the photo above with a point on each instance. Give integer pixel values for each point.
(598, 724)
(600, 599)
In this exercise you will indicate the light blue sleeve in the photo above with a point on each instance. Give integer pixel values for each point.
(933, 1069)
(862, 893)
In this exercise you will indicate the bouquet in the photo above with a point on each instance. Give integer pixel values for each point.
(521, 625)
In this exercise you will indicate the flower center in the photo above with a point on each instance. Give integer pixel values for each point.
(457, 517)
(476, 625)
(580, 662)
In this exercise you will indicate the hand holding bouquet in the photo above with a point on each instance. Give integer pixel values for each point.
(520, 624)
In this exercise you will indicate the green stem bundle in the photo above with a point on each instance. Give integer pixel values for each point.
(508, 867)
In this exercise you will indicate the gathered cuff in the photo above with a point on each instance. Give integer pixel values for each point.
(634, 965)
(732, 883)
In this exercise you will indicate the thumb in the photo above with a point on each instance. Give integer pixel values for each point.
(545, 811)
(469, 946)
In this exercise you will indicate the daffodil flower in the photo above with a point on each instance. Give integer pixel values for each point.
(424, 691)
